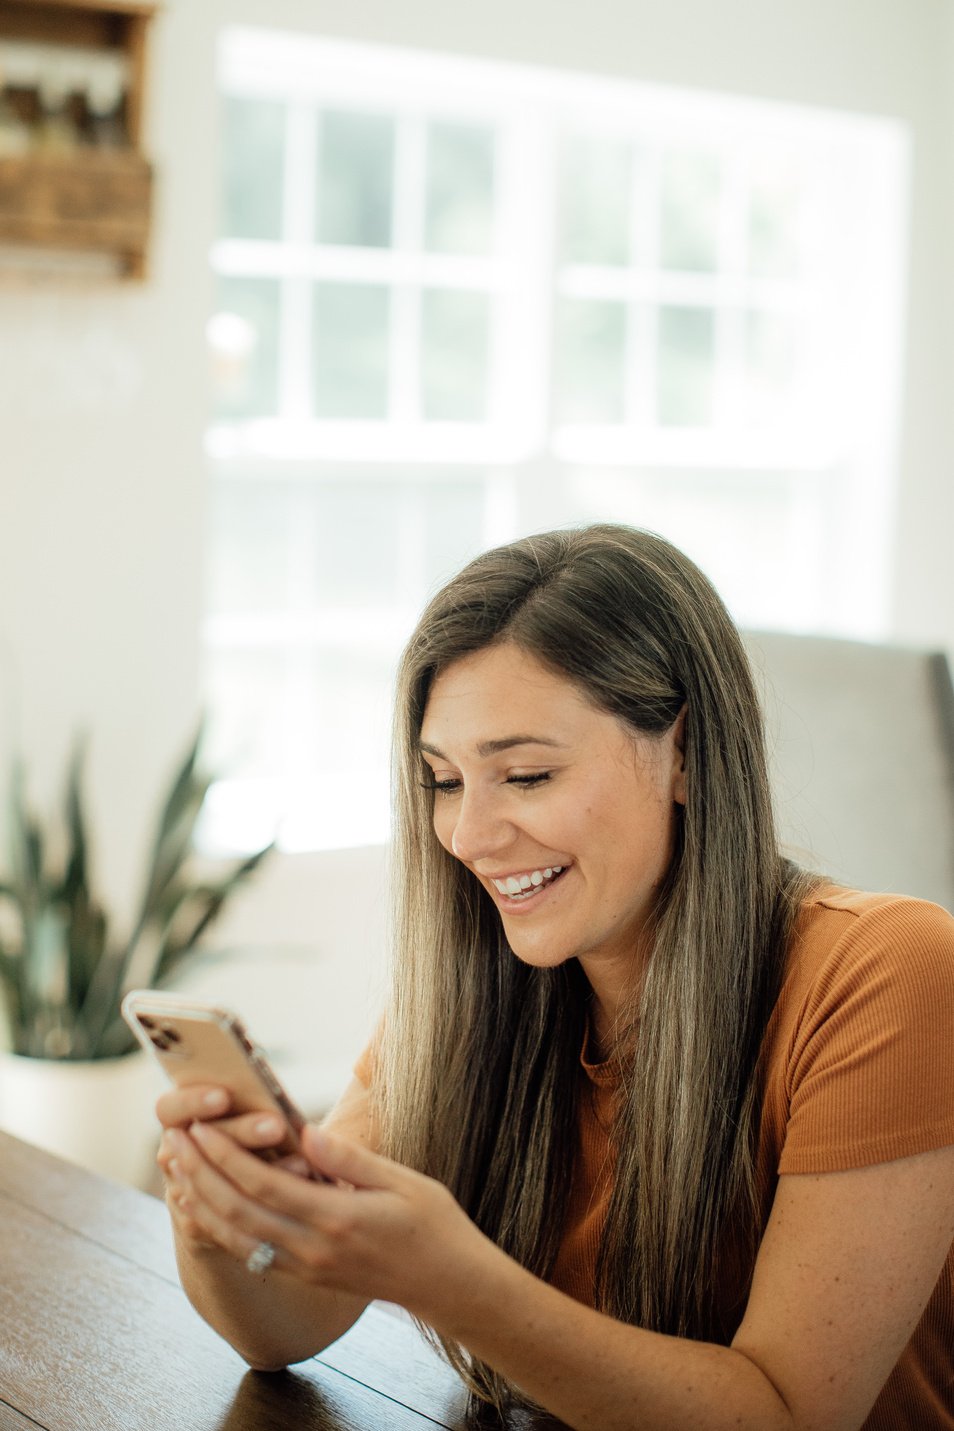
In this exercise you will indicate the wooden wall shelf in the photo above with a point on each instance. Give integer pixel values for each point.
(96, 202)
(84, 197)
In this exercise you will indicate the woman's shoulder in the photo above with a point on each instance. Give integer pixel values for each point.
(858, 1054)
(841, 928)
(866, 960)
(830, 897)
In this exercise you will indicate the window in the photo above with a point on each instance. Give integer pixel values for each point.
(456, 302)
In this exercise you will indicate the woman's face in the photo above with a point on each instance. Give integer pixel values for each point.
(565, 816)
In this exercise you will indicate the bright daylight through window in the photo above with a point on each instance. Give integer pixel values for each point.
(457, 302)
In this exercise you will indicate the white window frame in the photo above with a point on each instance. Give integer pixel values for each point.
(838, 465)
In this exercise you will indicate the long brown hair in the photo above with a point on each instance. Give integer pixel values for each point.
(479, 1059)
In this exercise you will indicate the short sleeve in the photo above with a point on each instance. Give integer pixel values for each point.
(870, 1074)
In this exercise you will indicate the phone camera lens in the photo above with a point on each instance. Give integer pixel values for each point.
(146, 1022)
(161, 1042)
(171, 1034)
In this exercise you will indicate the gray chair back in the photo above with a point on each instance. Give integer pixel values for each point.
(861, 745)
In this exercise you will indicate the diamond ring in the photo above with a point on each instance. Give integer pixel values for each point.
(260, 1258)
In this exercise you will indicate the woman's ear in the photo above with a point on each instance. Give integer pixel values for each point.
(679, 758)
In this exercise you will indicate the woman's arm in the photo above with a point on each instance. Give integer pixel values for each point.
(270, 1320)
(848, 1262)
(846, 1267)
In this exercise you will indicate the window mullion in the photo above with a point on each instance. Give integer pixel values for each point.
(647, 199)
(404, 356)
(731, 309)
(301, 165)
(521, 338)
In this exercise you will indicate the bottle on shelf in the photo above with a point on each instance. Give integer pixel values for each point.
(19, 105)
(57, 132)
(14, 130)
(105, 95)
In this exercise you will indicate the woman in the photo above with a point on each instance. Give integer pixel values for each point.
(657, 1128)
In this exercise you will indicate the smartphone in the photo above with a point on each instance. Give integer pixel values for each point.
(197, 1042)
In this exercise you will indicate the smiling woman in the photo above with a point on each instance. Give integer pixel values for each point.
(658, 1129)
(570, 831)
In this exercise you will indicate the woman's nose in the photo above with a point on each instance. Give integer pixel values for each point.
(479, 829)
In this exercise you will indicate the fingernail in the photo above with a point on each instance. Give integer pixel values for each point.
(216, 1100)
(267, 1127)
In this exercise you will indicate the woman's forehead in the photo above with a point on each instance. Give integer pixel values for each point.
(503, 671)
(503, 696)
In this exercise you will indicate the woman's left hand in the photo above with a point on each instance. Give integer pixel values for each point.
(377, 1229)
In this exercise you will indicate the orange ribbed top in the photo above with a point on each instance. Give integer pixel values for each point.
(858, 1064)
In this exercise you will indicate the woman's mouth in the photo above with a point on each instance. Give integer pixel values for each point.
(522, 887)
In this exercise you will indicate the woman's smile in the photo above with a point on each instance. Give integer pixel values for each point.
(517, 889)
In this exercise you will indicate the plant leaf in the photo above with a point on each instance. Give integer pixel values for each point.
(76, 876)
(211, 900)
(177, 819)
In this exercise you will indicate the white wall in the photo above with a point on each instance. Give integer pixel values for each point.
(102, 391)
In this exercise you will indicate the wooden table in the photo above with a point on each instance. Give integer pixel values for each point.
(97, 1335)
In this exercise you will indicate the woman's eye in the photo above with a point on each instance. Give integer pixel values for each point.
(443, 787)
(452, 784)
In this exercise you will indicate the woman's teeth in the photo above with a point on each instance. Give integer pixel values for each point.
(515, 886)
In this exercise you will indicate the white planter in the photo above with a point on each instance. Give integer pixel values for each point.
(98, 1114)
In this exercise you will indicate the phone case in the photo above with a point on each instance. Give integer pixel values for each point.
(203, 1043)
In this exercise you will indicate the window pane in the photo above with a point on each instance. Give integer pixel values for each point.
(337, 790)
(357, 546)
(247, 694)
(351, 708)
(771, 352)
(248, 547)
(685, 367)
(253, 168)
(453, 528)
(689, 211)
(243, 339)
(774, 222)
(591, 344)
(455, 344)
(459, 195)
(351, 350)
(595, 195)
(356, 179)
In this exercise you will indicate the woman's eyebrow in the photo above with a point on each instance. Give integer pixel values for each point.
(494, 747)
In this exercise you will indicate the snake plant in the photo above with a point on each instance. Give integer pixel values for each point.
(63, 970)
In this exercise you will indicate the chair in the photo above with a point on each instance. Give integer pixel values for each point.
(861, 745)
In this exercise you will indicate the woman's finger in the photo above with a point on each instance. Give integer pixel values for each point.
(180, 1107)
(295, 1163)
(262, 1182)
(220, 1213)
(303, 1219)
(343, 1160)
(254, 1130)
(312, 1209)
(179, 1201)
(267, 1134)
